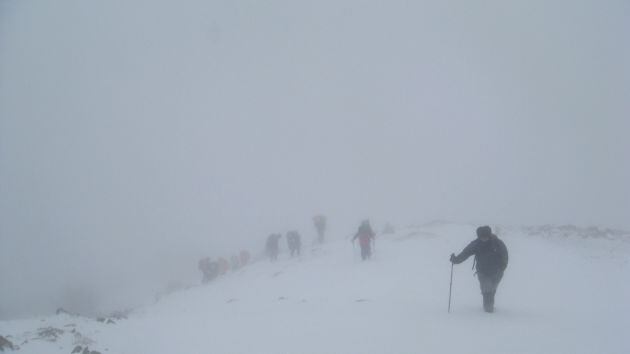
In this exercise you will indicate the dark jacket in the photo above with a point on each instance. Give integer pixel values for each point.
(491, 256)
(365, 235)
(272, 242)
(293, 240)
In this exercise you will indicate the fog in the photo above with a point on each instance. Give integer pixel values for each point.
(137, 137)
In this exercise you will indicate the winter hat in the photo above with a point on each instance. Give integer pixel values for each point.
(484, 231)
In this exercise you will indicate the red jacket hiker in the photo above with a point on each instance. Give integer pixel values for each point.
(365, 236)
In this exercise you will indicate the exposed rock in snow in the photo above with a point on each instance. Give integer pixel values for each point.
(6, 344)
(50, 334)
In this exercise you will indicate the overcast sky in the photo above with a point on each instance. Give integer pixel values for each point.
(138, 136)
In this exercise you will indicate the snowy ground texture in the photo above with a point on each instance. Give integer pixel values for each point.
(563, 292)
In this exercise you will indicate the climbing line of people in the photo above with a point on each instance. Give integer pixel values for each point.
(365, 235)
(294, 244)
(490, 255)
(210, 269)
(294, 239)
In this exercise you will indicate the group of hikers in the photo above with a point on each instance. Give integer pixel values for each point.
(294, 243)
(365, 234)
(294, 239)
(210, 269)
(490, 255)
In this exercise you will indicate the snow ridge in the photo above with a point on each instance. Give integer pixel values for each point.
(563, 292)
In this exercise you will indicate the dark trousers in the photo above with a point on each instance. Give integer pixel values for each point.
(488, 284)
(366, 252)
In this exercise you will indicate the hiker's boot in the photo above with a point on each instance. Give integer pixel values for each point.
(492, 301)
(488, 302)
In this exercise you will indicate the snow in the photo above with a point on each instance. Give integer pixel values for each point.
(559, 295)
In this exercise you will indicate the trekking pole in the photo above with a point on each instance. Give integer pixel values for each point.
(450, 287)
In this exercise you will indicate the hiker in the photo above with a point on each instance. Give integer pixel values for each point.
(491, 259)
(272, 246)
(244, 257)
(209, 269)
(320, 225)
(294, 242)
(365, 236)
(235, 262)
(224, 265)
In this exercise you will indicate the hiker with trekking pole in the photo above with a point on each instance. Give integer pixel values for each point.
(491, 259)
(366, 237)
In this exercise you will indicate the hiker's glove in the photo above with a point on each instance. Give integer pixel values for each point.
(452, 258)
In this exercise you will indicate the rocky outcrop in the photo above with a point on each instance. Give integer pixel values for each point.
(83, 350)
(6, 344)
(50, 334)
(567, 231)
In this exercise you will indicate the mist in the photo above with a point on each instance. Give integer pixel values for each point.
(137, 137)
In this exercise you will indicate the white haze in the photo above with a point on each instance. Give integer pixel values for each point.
(136, 137)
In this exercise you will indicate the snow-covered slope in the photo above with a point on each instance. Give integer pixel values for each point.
(559, 295)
